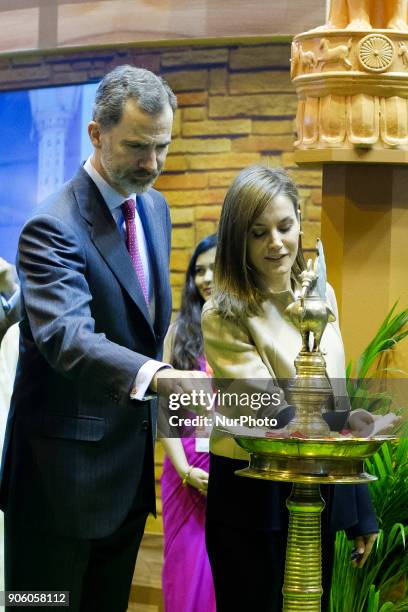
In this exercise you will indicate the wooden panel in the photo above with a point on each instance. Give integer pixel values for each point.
(146, 590)
(122, 21)
(149, 563)
(263, 17)
(19, 29)
(365, 220)
(143, 20)
(138, 607)
(103, 22)
(155, 525)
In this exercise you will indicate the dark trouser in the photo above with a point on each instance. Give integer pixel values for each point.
(248, 567)
(246, 533)
(97, 573)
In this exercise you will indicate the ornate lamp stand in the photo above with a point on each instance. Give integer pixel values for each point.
(310, 456)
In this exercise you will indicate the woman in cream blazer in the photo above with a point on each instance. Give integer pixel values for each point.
(258, 263)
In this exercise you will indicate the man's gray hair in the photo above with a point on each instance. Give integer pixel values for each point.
(151, 93)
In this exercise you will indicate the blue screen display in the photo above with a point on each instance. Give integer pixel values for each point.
(43, 141)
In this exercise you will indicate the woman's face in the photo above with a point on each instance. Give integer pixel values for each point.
(204, 272)
(273, 243)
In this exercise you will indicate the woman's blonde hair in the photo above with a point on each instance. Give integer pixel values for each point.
(235, 289)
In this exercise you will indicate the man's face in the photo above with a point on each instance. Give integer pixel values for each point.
(131, 154)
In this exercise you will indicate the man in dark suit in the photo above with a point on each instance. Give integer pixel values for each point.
(78, 471)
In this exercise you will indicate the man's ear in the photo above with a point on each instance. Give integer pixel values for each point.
(94, 132)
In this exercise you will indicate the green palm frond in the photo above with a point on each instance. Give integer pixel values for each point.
(385, 568)
(385, 574)
(390, 492)
(381, 586)
(389, 334)
(373, 603)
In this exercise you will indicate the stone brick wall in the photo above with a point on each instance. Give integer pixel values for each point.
(236, 107)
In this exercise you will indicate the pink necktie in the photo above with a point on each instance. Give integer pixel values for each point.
(128, 209)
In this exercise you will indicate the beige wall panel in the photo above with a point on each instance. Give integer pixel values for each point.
(79, 23)
(263, 17)
(143, 20)
(129, 21)
(19, 29)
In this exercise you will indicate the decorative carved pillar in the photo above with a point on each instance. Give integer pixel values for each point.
(52, 112)
(351, 77)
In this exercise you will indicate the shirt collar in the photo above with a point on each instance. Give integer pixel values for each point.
(113, 198)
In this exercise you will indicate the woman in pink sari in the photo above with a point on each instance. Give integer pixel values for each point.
(187, 579)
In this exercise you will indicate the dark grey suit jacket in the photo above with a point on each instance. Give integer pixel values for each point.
(78, 451)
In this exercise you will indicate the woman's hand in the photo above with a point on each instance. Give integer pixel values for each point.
(364, 424)
(198, 479)
(189, 475)
(362, 548)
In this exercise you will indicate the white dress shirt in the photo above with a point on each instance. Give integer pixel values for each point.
(114, 200)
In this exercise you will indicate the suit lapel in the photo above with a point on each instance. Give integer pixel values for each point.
(107, 239)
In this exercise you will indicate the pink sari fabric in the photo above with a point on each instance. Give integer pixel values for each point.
(187, 578)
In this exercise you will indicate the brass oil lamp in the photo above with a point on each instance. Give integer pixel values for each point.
(310, 455)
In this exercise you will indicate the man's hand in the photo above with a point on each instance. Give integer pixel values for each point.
(362, 547)
(7, 275)
(170, 380)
